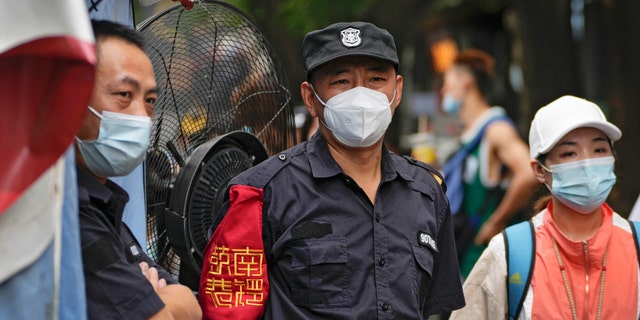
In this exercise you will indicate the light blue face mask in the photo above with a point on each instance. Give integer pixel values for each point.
(451, 105)
(583, 185)
(121, 145)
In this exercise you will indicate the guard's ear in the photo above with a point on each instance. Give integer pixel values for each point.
(398, 98)
(309, 99)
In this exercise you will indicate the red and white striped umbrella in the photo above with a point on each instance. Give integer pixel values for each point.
(47, 60)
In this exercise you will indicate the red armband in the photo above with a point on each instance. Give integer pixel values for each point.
(234, 282)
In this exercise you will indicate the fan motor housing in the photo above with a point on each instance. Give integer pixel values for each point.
(200, 188)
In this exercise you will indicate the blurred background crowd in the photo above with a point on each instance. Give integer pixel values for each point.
(542, 50)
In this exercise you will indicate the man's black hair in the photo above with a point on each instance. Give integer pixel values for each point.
(104, 29)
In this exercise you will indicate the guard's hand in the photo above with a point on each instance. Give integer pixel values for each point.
(152, 276)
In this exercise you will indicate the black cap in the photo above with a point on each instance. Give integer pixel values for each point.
(347, 39)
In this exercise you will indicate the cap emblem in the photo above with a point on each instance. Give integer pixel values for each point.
(351, 37)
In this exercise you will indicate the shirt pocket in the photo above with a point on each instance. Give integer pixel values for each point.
(318, 272)
(424, 272)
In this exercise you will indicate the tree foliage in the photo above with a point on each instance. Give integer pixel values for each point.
(298, 17)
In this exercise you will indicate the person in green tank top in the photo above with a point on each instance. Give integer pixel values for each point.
(498, 182)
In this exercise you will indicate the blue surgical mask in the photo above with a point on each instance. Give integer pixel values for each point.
(451, 105)
(121, 144)
(583, 185)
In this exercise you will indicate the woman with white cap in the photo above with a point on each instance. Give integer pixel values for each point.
(585, 264)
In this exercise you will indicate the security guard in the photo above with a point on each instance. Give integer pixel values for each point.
(337, 227)
(121, 281)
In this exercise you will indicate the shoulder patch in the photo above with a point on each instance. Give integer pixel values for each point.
(426, 240)
(434, 173)
(83, 196)
(437, 177)
(260, 175)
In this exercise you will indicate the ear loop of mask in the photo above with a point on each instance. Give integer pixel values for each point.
(548, 170)
(95, 113)
(323, 103)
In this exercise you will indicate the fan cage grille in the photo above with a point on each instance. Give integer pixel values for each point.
(216, 73)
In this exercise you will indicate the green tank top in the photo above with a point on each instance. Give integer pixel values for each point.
(478, 203)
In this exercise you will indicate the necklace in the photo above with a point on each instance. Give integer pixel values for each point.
(567, 288)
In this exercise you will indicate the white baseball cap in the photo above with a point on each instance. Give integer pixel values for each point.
(555, 120)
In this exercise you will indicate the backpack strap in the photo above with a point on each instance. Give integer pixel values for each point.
(635, 226)
(453, 168)
(469, 147)
(520, 244)
(519, 241)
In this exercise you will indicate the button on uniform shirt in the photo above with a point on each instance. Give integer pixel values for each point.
(301, 240)
(115, 285)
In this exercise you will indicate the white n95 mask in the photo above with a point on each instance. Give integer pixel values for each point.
(358, 117)
(121, 145)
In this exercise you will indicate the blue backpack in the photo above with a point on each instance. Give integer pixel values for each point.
(520, 243)
(453, 170)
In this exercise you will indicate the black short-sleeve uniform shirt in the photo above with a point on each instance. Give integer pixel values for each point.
(115, 285)
(332, 254)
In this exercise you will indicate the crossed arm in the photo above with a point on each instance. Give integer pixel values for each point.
(180, 303)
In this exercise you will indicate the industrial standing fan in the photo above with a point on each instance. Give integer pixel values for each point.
(223, 107)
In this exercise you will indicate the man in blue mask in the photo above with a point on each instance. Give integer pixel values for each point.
(496, 179)
(121, 281)
(337, 227)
